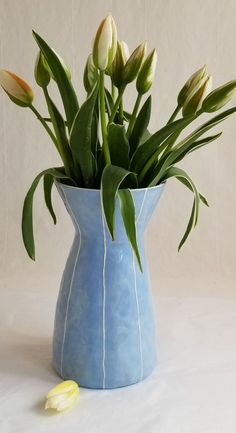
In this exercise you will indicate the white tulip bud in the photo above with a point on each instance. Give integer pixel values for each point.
(190, 84)
(219, 97)
(105, 44)
(194, 101)
(117, 66)
(134, 63)
(146, 73)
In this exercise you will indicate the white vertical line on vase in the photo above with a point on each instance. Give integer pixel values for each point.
(104, 303)
(72, 278)
(136, 294)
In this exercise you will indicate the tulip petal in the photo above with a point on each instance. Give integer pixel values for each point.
(63, 396)
(16, 87)
(72, 397)
(66, 386)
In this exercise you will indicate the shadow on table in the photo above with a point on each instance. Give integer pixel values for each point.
(27, 356)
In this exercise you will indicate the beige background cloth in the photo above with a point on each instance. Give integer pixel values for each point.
(194, 388)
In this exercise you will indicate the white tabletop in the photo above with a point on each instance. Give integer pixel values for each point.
(193, 389)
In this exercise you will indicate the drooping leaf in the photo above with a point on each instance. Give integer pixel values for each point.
(27, 215)
(118, 145)
(128, 214)
(48, 181)
(140, 125)
(112, 178)
(65, 86)
(202, 197)
(81, 137)
(180, 175)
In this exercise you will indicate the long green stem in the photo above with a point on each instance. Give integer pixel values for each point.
(103, 118)
(121, 111)
(62, 143)
(134, 115)
(113, 91)
(117, 103)
(44, 123)
(174, 114)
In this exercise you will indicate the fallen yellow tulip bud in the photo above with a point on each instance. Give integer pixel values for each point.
(63, 396)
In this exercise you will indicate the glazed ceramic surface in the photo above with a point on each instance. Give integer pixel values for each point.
(104, 334)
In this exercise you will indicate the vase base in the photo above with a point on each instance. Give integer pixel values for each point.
(121, 384)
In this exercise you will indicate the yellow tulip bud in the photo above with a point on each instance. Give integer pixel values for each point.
(219, 97)
(41, 71)
(90, 74)
(105, 44)
(194, 101)
(146, 73)
(134, 63)
(63, 396)
(190, 85)
(16, 88)
(117, 66)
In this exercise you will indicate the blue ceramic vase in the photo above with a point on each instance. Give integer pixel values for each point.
(104, 333)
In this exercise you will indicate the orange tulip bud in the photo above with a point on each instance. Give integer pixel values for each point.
(16, 88)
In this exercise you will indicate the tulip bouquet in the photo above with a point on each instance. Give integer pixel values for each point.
(101, 144)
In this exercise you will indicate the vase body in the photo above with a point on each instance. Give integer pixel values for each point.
(104, 332)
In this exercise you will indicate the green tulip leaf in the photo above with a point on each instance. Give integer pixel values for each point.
(127, 209)
(140, 125)
(27, 215)
(109, 102)
(182, 175)
(81, 138)
(197, 145)
(112, 178)
(61, 135)
(118, 145)
(186, 145)
(65, 86)
(48, 182)
(146, 150)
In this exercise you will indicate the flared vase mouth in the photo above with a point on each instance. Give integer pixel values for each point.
(78, 188)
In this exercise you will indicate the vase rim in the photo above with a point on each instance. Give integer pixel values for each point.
(97, 190)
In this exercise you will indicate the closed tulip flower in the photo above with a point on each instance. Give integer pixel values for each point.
(117, 67)
(16, 88)
(146, 73)
(219, 97)
(194, 101)
(90, 74)
(63, 396)
(190, 84)
(105, 44)
(134, 63)
(41, 71)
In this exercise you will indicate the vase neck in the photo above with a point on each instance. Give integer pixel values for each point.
(84, 208)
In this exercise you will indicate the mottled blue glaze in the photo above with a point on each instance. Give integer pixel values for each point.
(104, 334)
